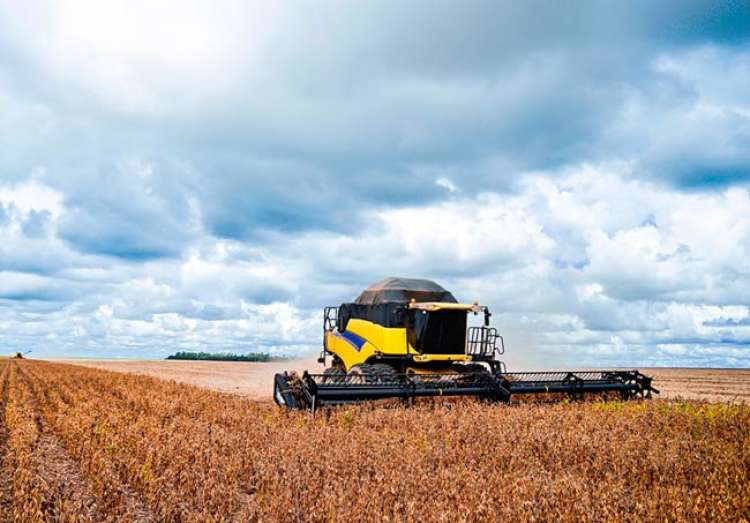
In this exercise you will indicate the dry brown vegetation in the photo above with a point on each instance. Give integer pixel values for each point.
(87, 444)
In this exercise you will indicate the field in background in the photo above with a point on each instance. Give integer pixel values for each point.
(98, 445)
(727, 385)
(255, 380)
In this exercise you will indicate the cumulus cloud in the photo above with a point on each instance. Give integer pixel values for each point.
(187, 176)
(571, 273)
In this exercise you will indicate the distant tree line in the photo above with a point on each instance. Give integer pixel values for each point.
(251, 356)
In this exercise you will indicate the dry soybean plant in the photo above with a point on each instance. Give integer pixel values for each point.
(86, 444)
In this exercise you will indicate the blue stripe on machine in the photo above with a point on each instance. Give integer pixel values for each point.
(354, 339)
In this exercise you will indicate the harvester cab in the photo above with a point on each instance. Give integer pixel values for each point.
(409, 338)
(387, 331)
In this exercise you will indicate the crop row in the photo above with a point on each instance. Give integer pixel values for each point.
(155, 450)
(38, 484)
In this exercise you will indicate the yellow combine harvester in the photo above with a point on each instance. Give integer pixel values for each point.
(386, 331)
(409, 338)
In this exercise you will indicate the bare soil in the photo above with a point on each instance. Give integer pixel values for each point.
(252, 380)
(255, 380)
(725, 385)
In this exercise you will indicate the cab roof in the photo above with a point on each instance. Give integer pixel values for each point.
(404, 290)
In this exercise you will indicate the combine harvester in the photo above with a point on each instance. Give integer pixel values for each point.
(408, 338)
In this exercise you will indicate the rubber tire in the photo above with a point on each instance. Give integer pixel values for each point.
(384, 373)
(361, 374)
(472, 368)
(334, 375)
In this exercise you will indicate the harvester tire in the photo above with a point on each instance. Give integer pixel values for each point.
(334, 375)
(474, 368)
(361, 374)
(384, 373)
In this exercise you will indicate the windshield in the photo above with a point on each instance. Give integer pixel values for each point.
(439, 332)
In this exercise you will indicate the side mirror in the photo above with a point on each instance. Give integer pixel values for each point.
(487, 315)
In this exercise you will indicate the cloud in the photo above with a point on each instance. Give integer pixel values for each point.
(337, 102)
(179, 175)
(571, 272)
(135, 211)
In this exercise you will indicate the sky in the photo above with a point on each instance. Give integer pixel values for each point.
(207, 176)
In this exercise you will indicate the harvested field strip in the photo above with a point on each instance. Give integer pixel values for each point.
(166, 451)
(729, 385)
